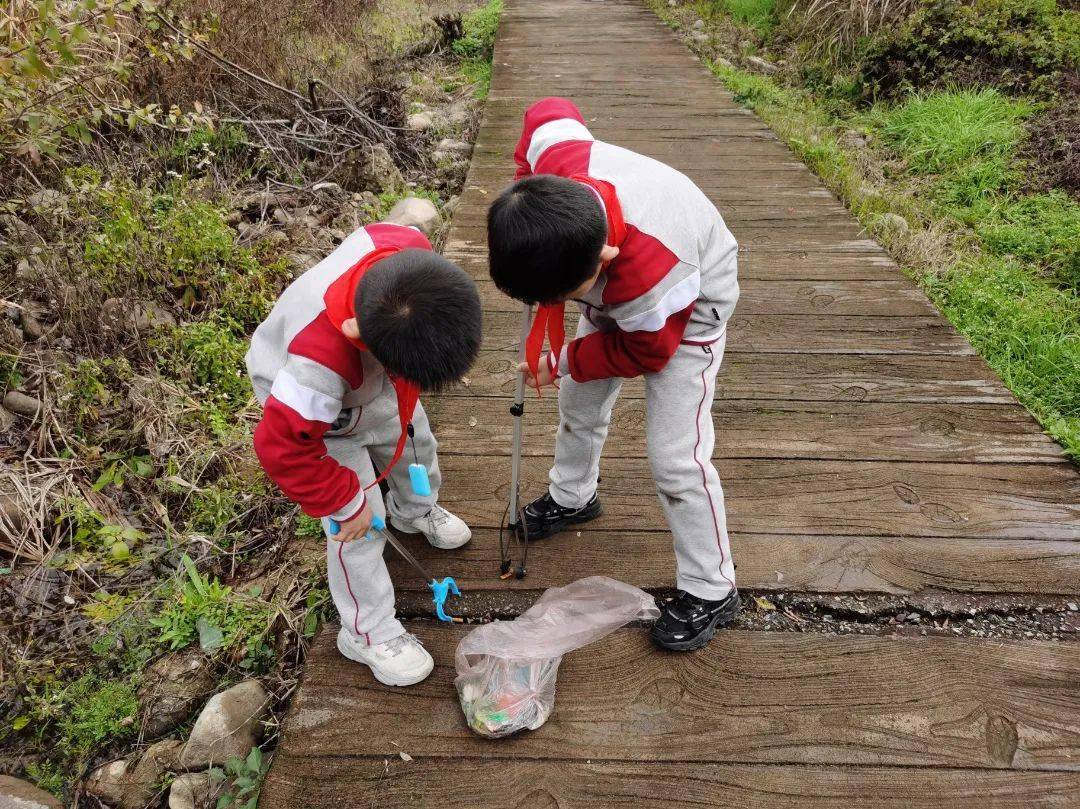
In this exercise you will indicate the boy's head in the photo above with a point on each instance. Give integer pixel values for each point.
(545, 239)
(419, 315)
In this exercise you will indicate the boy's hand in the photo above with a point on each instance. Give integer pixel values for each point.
(355, 528)
(543, 376)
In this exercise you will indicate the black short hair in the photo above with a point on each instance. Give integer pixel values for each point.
(545, 234)
(419, 315)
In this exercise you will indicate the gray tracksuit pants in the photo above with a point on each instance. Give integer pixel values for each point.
(679, 436)
(359, 581)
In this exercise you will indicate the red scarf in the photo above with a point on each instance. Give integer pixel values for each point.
(550, 317)
(340, 303)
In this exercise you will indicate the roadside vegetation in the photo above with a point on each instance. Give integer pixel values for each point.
(166, 168)
(951, 129)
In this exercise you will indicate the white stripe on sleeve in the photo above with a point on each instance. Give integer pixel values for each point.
(547, 135)
(674, 300)
(311, 404)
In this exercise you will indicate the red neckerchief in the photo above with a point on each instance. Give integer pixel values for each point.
(340, 303)
(550, 317)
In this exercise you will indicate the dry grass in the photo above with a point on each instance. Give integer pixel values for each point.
(832, 27)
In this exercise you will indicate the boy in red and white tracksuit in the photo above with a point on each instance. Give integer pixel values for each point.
(652, 267)
(338, 366)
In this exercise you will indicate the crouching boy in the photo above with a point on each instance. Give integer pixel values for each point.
(338, 367)
(652, 267)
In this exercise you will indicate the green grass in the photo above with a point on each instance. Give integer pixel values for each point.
(943, 132)
(476, 45)
(757, 14)
(996, 285)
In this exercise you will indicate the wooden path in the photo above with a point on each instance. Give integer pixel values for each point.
(863, 448)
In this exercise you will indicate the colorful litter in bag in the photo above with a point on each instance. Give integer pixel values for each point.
(506, 669)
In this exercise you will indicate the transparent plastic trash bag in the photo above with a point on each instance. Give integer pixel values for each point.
(506, 669)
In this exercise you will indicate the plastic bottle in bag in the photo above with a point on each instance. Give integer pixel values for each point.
(506, 669)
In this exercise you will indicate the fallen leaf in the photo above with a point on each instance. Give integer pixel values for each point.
(764, 604)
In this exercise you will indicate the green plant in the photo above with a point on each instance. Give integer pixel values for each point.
(89, 531)
(758, 14)
(10, 377)
(211, 356)
(217, 616)
(48, 776)
(944, 131)
(244, 776)
(309, 527)
(65, 67)
(1017, 45)
(214, 507)
(1042, 228)
(476, 44)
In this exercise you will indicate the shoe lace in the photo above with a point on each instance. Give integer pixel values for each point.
(437, 516)
(396, 646)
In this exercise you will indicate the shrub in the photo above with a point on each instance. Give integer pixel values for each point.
(834, 27)
(1017, 45)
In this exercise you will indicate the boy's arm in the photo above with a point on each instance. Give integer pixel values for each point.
(547, 122)
(650, 328)
(304, 402)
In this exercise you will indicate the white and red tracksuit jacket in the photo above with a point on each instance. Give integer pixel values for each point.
(305, 371)
(675, 276)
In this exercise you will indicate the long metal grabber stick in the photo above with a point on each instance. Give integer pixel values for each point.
(517, 410)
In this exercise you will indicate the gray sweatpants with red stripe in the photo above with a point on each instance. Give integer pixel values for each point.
(679, 436)
(360, 584)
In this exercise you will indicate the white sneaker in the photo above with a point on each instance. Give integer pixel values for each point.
(442, 529)
(400, 661)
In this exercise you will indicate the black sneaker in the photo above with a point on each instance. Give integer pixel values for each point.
(688, 622)
(544, 517)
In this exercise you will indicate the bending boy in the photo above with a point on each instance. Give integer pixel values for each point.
(652, 267)
(338, 367)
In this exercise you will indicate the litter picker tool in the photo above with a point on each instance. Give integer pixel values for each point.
(513, 521)
(440, 589)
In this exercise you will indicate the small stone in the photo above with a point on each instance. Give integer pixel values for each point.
(419, 122)
(20, 403)
(229, 725)
(456, 147)
(405, 756)
(699, 25)
(32, 327)
(459, 114)
(1072, 606)
(192, 790)
(416, 212)
(140, 783)
(699, 37)
(18, 794)
(762, 65)
(277, 237)
(894, 222)
(329, 188)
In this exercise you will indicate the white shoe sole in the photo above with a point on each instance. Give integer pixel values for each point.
(412, 530)
(384, 677)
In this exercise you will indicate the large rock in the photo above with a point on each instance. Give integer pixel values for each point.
(419, 122)
(172, 688)
(107, 782)
(18, 794)
(20, 403)
(229, 725)
(120, 784)
(369, 168)
(448, 147)
(192, 790)
(762, 65)
(416, 212)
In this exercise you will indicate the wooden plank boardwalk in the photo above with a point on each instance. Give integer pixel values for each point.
(864, 448)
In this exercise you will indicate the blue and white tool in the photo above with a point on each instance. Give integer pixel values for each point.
(440, 589)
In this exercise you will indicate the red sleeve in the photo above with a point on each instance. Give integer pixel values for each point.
(540, 113)
(606, 354)
(292, 451)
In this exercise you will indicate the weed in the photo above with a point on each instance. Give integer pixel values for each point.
(209, 355)
(386, 200)
(218, 617)
(757, 14)
(214, 507)
(244, 777)
(90, 532)
(10, 377)
(308, 527)
(48, 776)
